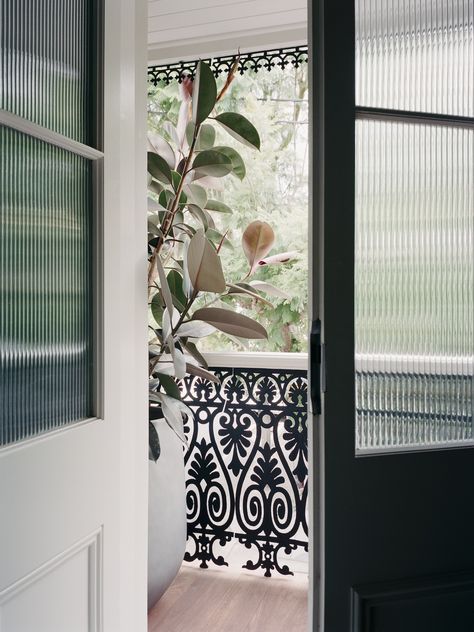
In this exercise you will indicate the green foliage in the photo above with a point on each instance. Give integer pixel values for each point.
(275, 189)
(189, 295)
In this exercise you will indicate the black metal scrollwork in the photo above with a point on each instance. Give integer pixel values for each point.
(255, 61)
(247, 466)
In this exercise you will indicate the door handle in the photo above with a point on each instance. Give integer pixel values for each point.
(315, 366)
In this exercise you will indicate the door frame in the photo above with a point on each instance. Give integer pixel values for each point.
(332, 186)
(125, 333)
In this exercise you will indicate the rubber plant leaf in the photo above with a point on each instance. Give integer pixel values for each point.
(231, 323)
(204, 266)
(153, 443)
(204, 93)
(212, 163)
(257, 241)
(239, 128)
(238, 165)
(159, 168)
(216, 205)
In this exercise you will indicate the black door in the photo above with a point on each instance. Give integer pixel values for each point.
(393, 106)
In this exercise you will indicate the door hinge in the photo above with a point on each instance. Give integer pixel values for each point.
(317, 369)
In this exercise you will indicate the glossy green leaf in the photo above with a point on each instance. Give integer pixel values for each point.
(216, 237)
(176, 179)
(240, 128)
(153, 443)
(196, 194)
(238, 165)
(175, 284)
(215, 205)
(195, 353)
(169, 386)
(199, 215)
(155, 187)
(161, 146)
(157, 308)
(165, 198)
(231, 322)
(206, 137)
(204, 93)
(159, 168)
(212, 163)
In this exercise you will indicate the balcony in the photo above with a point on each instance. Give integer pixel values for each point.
(246, 496)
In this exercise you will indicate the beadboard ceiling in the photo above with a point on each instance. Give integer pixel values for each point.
(186, 29)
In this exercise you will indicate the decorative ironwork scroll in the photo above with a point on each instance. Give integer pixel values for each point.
(247, 467)
(260, 60)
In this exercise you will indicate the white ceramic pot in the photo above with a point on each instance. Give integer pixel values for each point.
(166, 513)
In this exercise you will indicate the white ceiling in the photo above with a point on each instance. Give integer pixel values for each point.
(186, 29)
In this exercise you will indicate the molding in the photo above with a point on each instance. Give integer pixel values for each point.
(257, 360)
(8, 119)
(247, 41)
(253, 61)
(366, 598)
(47, 435)
(93, 544)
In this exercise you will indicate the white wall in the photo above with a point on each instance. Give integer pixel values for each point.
(184, 29)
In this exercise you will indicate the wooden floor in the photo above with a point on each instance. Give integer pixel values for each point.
(227, 601)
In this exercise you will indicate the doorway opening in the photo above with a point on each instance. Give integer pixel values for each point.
(246, 437)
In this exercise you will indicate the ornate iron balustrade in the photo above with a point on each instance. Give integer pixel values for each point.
(247, 467)
(293, 56)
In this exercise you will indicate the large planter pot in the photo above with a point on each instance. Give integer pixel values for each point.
(166, 513)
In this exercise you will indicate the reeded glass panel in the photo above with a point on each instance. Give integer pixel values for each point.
(415, 55)
(414, 276)
(45, 74)
(46, 297)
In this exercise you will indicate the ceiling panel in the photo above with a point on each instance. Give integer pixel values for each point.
(184, 29)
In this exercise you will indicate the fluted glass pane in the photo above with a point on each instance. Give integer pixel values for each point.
(414, 282)
(45, 63)
(415, 55)
(45, 287)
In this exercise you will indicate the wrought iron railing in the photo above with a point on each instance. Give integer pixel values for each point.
(247, 467)
(247, 460)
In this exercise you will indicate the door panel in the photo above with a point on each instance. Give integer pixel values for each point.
(22, 605)
(395, 544)
(73, 459)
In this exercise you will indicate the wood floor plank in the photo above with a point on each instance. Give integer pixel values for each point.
(225, 601)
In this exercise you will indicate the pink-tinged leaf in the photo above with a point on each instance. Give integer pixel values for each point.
(231, 323)
(159, 145)
(257, 241)
(268, 288)
(204, 265)
(200, 372)
(282, 257)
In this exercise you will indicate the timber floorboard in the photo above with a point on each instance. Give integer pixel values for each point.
(208, 600)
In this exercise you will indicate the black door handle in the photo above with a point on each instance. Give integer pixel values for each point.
(315, 362)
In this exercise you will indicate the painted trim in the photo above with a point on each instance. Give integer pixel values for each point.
(365, 598)
(8, 119)
(27, 442)
(406, 116)
(93, 544)
(246, 41)
(238, 360)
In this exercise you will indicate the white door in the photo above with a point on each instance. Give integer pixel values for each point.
(73, 403)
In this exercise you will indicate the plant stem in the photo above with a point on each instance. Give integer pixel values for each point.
(168, 221)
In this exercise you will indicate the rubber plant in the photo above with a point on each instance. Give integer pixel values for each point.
(184, 245)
